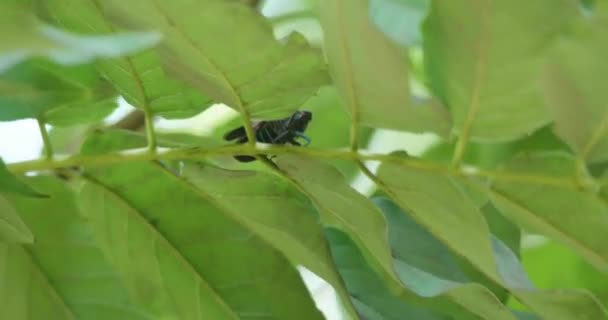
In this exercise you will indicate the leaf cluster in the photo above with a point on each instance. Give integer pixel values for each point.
(145, 224)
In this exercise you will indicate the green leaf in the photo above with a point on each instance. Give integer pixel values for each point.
(154, 271)
(139, 78)
(502, 228)
(330, 126)
(483, 59)
(25, 292)
(485, 155)
(276, 212)
(59, 95)
(565, 213)
(568, 270)
(400, 20)
(565, 304)
(361, 59)
(452, 217)
(181, 239)
(248, 70)
(575, 90)
(342, 207)
(10, 183)
(12, 228)
(429, 269)
(67, 140)
(22, 36)
(66, 253)
(373, 300)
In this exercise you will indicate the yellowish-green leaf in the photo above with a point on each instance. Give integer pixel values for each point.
(575, 217)
(139, 78)
(371, 72)
(181, 239)
(155, 273)
(12, 228)
(568, 270)
(236, 61)
(276, 212)
(25, 293)
(483, 59)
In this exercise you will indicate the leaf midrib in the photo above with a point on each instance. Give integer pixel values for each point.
(160, 237)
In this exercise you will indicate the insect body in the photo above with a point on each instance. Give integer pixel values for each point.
(274, 132)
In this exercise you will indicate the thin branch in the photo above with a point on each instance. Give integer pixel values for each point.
(46, 140)
(199, 153)
(150, 133)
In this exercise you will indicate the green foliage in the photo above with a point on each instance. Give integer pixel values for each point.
(482, 57)
(10, 183)
(59, 95)
(23, 36)
(374, 92)
(139, 223)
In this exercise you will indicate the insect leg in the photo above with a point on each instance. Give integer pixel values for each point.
(303, 136)
(294, 142)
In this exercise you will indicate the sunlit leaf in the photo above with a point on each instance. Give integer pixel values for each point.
(184, 240)
(568, 270)
(235, 61)
(483, 59)
(139, 78)
(361, 59)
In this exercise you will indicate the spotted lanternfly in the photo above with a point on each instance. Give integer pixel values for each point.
(280, 131)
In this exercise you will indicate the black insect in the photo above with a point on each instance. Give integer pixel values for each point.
(274, 132)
